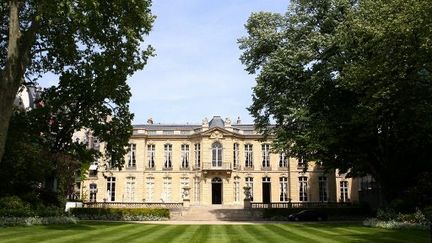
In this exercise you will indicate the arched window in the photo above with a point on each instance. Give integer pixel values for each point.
(217, 155)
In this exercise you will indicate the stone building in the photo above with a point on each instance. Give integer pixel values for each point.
(216, 160)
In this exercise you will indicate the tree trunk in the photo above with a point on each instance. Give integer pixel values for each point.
(12, 73)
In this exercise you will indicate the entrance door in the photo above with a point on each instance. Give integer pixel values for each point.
(266, 189)
(216, 190)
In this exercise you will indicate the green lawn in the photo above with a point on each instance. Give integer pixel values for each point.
(125, 233)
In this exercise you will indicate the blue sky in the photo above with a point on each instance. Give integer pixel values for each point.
(197, 72)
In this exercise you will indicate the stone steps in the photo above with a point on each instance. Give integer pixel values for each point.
(215, 213)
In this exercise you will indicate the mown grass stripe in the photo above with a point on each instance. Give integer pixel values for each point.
(201, 234)
(246, 236)
(218, 234)
(297, 233)
(190, 232)
(155, 234)
(174, 231)
(32, 236)
(141, 232)
(260, 232)
(72, 236)
(233, 234)
(279, 234)
(328, 234)
(118, 235)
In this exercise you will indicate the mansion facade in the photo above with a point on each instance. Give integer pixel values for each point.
(216, 160)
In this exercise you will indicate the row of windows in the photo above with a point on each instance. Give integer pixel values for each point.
(249, 181)
(217, 150)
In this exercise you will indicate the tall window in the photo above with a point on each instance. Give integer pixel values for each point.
(217, 155)
(196, 189)
(150, 184)
(111, 188)
(344, 191)
(283, 160)
(130, 189)
(151, 151)
(93, 192)
(132, 156)
(166, 194)
(323, 188)
(184, 156)
(303, 189)
(248, 153)
(249, 183)
(168, 156)
(301, 161)
(283, 187)
(184, 182)
(237, 189)
(197, 155)
(236, 151)
(265, 155)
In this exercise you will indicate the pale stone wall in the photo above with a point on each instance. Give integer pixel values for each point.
(206, 138)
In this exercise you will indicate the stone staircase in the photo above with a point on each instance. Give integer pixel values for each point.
(215, 213)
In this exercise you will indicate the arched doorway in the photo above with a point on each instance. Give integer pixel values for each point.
(216, 190)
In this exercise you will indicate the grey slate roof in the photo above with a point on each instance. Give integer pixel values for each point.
(216, 121)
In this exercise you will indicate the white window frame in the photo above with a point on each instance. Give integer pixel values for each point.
(111, 191)
(168, 156)
(236, 153)
(237, 189)
(217, 154)
(197, 155)
(184, 156)
(197, 182)
(248, 155)
(283, 189)
(151, 155)
(265, 155)
(132, 156)
(150, 186)
(344, 195)
(250, 183)
(184, 182)
(130, 189)
(283, 160)
(167, 189)
(323, 188)
(303, 189)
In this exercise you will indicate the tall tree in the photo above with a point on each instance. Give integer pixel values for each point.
(348, 83)
(91, 44)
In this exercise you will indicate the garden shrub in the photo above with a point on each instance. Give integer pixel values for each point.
(13, 206)
(122, 214)
(389, 219)
(28, 221)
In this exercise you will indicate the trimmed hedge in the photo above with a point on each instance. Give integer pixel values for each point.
(333, 213)
(121, 214)
(28, 221)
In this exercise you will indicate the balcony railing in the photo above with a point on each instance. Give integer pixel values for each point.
(223, 166)
(303, 205)
(132, 205)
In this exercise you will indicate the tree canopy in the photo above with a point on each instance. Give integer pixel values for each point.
(347, 83)
(93, 46)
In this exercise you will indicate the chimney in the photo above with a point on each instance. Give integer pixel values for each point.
(150, 121)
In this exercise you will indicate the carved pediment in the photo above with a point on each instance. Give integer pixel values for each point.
(216, 135)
